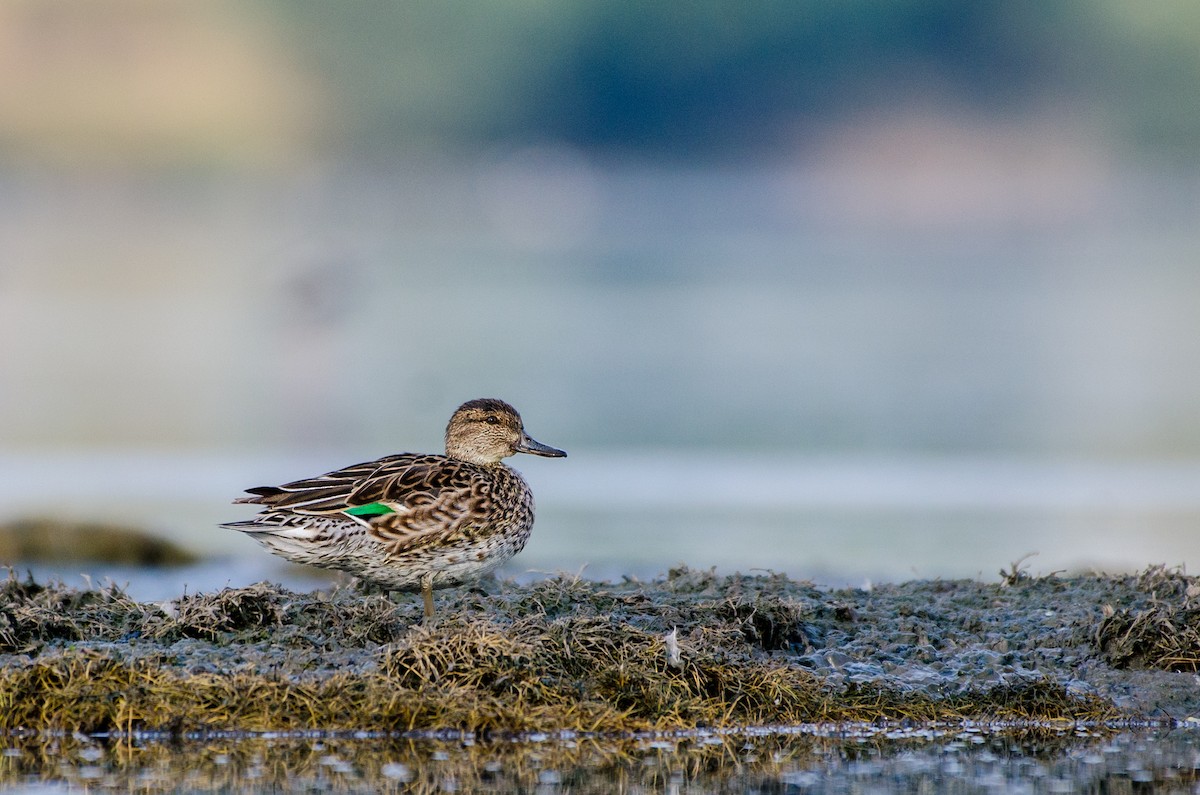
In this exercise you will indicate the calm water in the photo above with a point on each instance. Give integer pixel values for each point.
(803, 759)
(768, 307)
(610, 513)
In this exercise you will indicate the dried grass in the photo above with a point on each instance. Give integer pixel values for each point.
(561, 654)
(1165, 634)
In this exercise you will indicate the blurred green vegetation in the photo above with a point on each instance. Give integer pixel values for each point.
(713, 77)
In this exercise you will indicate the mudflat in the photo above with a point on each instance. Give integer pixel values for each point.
(688, 650)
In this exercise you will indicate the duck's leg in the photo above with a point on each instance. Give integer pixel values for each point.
(427, 595)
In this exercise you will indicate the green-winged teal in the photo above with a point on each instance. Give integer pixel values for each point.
(411, 522)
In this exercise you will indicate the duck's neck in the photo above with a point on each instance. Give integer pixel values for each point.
(471, 457)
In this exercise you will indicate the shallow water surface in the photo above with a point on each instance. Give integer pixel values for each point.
(834, 520)
(817, 758)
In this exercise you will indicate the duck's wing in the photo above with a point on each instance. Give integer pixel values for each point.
(353, 487)
(403, 500)
(432, 506)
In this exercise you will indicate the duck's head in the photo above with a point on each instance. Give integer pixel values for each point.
(486, 430)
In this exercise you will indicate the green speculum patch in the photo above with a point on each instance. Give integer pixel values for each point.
(370, 509)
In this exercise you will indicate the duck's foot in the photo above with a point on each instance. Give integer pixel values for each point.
(427, 596)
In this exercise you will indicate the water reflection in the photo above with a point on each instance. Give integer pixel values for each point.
(833, 759)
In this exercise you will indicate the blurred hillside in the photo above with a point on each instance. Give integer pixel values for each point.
(722, 80)
(146, 82)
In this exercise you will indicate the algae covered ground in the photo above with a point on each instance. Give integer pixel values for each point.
(691, 649)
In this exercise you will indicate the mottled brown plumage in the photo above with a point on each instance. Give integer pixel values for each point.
(410, 521)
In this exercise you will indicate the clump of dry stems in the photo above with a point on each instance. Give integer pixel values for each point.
(561, 654)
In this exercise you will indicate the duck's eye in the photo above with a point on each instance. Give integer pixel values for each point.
(492, 419)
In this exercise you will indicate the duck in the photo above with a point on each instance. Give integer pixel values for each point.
(411, 522)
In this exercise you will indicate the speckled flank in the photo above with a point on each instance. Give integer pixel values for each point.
(411, 522)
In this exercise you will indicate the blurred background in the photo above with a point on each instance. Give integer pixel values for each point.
(847, 289)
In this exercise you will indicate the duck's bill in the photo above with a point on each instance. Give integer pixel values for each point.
(533, 447)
